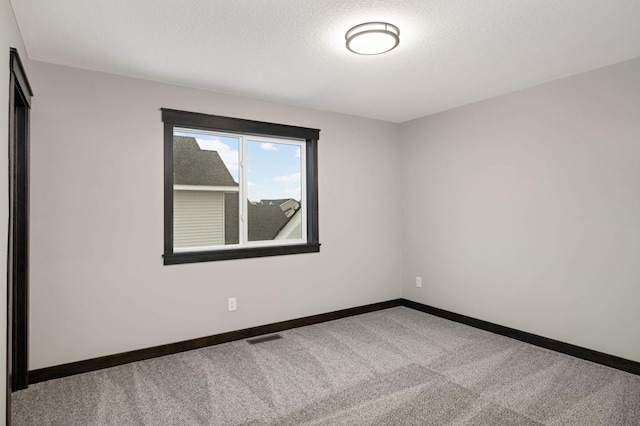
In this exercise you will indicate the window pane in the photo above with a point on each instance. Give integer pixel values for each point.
(274, 186)
(205, 191)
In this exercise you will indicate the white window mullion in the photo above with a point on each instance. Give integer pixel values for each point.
(243, 195)
(303, 189)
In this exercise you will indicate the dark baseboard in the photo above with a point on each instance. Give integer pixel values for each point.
(544, 342)
(70, 369)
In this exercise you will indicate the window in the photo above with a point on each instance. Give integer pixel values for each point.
(237, 188)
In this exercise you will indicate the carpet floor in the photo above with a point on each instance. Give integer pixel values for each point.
(392, 367)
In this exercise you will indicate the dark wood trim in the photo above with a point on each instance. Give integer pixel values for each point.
(168, 189)
(21, 82)
(533, 339)
(312, 191)
(17, 343)
(236, 125)
(241, 253)
(174, 118)
(64, 370)
(18, 262)
(20, 248)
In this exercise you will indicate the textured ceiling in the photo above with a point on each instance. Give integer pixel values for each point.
(451, 52)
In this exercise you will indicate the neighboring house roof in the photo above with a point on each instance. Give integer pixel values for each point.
(194, 166)
(293, 228)
(266, 218)
(231, 214)
(288, 205)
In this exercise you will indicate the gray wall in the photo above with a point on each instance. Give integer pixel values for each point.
(9, 37)
(524, 210)
(98, 286)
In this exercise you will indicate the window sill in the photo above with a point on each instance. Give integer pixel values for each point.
(241, 253)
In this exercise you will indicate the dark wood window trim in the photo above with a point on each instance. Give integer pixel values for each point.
(174, 118)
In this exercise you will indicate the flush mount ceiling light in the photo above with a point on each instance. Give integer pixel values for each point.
(372, 38)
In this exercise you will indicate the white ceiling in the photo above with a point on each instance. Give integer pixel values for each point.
(451, 52)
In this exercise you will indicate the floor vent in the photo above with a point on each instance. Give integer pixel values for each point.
(264, 339)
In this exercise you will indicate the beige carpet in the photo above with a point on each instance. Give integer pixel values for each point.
(391, 367)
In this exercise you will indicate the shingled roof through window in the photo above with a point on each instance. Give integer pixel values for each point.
(266, 218)
(194, 166)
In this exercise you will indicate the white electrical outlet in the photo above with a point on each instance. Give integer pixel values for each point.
(418, 281)
(232, 304)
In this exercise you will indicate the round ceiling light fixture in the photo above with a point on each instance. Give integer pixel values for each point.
(372, 38)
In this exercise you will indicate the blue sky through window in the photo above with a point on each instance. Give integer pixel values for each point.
(274, 170)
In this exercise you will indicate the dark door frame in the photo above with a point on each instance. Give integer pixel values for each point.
(18, 229)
